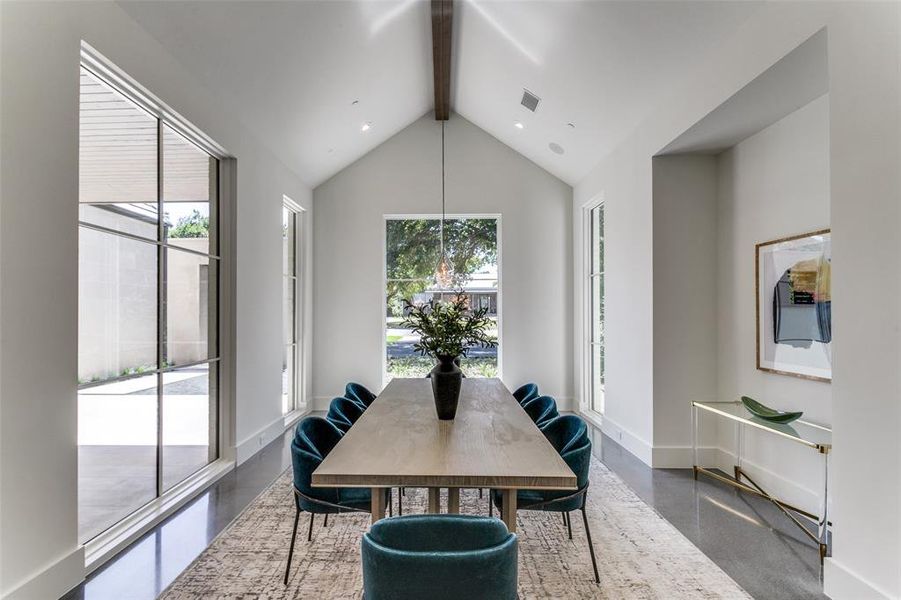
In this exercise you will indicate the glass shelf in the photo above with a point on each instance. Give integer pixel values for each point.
(809, 434)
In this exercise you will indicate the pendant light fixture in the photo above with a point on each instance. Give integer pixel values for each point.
(444, 275)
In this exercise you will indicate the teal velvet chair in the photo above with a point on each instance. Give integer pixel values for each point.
(526, 392)
(568, 434)
(359, 393)
(314, 438)
(439, 557)
(541, 410)
(343, 413)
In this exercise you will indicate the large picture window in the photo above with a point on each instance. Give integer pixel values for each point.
(148, 307)
(292, 220)
(413, 248)
(595, 286)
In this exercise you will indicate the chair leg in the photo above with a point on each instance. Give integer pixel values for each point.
(594, 563)
(291, 549)
(490, 505)
(400, 503)
(310, 532)
(480, 493)
(563, 514)
(390, 504)
(325, 520)
(569, 524)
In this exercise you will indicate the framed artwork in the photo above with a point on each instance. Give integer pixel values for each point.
(794, 306)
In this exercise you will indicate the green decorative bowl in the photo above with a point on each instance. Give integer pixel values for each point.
(769, 414)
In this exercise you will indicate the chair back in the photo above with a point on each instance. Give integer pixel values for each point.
(439, 557)
(343, 413)
(526, 392)
(568, 434)
(541, 409)
(314, 438)
(358, 392)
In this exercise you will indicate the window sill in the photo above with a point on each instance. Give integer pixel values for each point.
(115, 539)
(595, 419)
(295, 415)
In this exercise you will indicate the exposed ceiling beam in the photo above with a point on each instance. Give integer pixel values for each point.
(442, 21)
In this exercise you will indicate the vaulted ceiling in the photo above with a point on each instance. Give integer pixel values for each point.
(306, 76)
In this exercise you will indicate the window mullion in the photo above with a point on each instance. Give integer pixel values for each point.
(160, 307)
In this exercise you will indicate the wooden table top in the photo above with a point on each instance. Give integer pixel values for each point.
(399, 441)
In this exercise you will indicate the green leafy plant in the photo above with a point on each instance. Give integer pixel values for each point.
(448, 328)
(194, 225)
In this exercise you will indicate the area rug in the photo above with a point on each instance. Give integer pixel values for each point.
(640, 555)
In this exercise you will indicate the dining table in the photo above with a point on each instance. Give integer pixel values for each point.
(400, 442)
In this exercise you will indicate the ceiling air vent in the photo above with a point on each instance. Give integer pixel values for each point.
(530, 100)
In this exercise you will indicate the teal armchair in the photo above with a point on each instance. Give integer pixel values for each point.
(439, 557)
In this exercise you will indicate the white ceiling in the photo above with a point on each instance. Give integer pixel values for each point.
(293, 69)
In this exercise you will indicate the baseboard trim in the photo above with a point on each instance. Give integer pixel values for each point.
(635, 445)
(54, 580)
(840, 583)
(256, 441)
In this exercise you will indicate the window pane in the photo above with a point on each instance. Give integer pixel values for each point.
(288, 378)
(117, 161)
(413, 247)
(191, 319)
(471, 247)
(117, 437)
(597, 239)
(189, 421)
(597, 377)
(117, 297)
(597, 308)
(289, 224)
(189, 183)
(288, 311)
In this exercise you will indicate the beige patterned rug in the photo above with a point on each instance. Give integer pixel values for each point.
(640, 555)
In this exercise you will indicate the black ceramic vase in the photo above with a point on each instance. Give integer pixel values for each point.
(446, 381)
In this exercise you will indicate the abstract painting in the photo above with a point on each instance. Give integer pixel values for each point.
(794, 306)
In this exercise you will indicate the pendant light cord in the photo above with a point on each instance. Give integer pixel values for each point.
(442, 189)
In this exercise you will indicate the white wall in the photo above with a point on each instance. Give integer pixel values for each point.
(772, 185)
(685, 300)
(863, 49)
(403, 176)
(39, 552)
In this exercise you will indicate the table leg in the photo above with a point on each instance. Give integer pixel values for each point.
(694, 439)
(508, 505)
(823, 533)
(434, 500)
(453, 501)
(378, 504)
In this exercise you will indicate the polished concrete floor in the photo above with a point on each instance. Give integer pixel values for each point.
(745, 535)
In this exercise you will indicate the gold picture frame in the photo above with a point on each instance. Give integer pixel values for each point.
(802, 245)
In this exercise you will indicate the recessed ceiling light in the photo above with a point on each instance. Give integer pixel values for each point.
(518, 125)
(366, 126)
(556, 148)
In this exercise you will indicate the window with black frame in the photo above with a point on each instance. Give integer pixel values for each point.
(148, 349)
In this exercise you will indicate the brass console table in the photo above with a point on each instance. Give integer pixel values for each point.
(813, 436)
